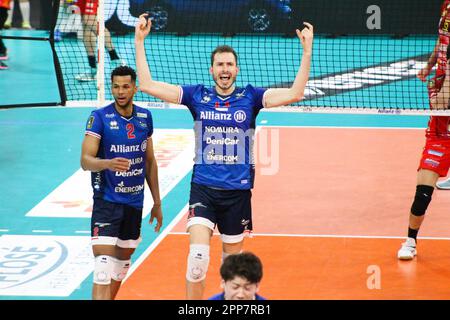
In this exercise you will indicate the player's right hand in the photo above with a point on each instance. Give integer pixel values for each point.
(306, 36)
(423, 74)
(119, 164)
(156, 212)
(143, 27)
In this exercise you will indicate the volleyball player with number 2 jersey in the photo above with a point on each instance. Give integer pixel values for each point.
(118, 150)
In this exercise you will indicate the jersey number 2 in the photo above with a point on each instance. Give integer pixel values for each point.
(130, 130)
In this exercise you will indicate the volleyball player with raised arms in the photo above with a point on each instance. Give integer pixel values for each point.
(223, 172)
(88, 11)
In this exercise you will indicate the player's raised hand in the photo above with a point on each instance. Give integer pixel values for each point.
(156, 212)
(306, 36)
(143, 27)
(423, 73)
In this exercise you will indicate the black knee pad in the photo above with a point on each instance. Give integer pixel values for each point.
(421, 200)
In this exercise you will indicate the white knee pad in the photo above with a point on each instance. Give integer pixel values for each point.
(197, 262)
(120, 269)
(102, 269)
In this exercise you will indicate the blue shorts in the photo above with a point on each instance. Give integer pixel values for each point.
(230, 210)
(115, 224)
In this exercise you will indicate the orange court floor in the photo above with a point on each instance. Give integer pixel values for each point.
(328, 221)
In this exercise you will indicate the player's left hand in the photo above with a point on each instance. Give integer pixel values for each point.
(156, 212)
(306, 36)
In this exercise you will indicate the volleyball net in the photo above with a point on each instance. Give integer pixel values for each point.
(366, 57)
(27, 54)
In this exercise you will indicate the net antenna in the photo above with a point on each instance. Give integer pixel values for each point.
(101, 53)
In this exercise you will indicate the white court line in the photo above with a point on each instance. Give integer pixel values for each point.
(83, 231)
(4, 230)
(325, 236)
(143, 104)
(156, 242)
(42, 231)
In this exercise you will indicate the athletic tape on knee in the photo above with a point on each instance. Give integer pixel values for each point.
(421, 200)
(102, 269)
(198, 262)
(120, 269)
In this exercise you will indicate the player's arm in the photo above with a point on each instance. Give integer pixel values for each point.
(279, 97)
(151, 176)
(425, 71)
(442, 98)
(161, 90)
(89, 160)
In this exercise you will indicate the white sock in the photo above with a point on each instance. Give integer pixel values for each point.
(25, 9)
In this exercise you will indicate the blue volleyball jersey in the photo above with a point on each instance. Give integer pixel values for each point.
(224, 134)
(125, 138)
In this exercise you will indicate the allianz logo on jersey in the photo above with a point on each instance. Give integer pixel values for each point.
(122, 148)
(239, 116)
(131, 173)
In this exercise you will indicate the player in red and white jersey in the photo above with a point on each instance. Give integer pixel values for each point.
(435, 161)
(445, 17)
(88, 11)
(88, 7)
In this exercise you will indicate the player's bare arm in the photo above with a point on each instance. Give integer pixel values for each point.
(441, 99)
(161, 90)
(89, 160)
(279, 97)
(151, 169)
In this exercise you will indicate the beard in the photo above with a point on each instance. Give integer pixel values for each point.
(222, 87)
(123, 105)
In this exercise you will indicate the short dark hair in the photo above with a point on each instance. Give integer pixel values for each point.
(245, 265)
(222, 49)
(124, 71)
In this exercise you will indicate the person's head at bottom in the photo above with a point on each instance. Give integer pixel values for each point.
(241, 275)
